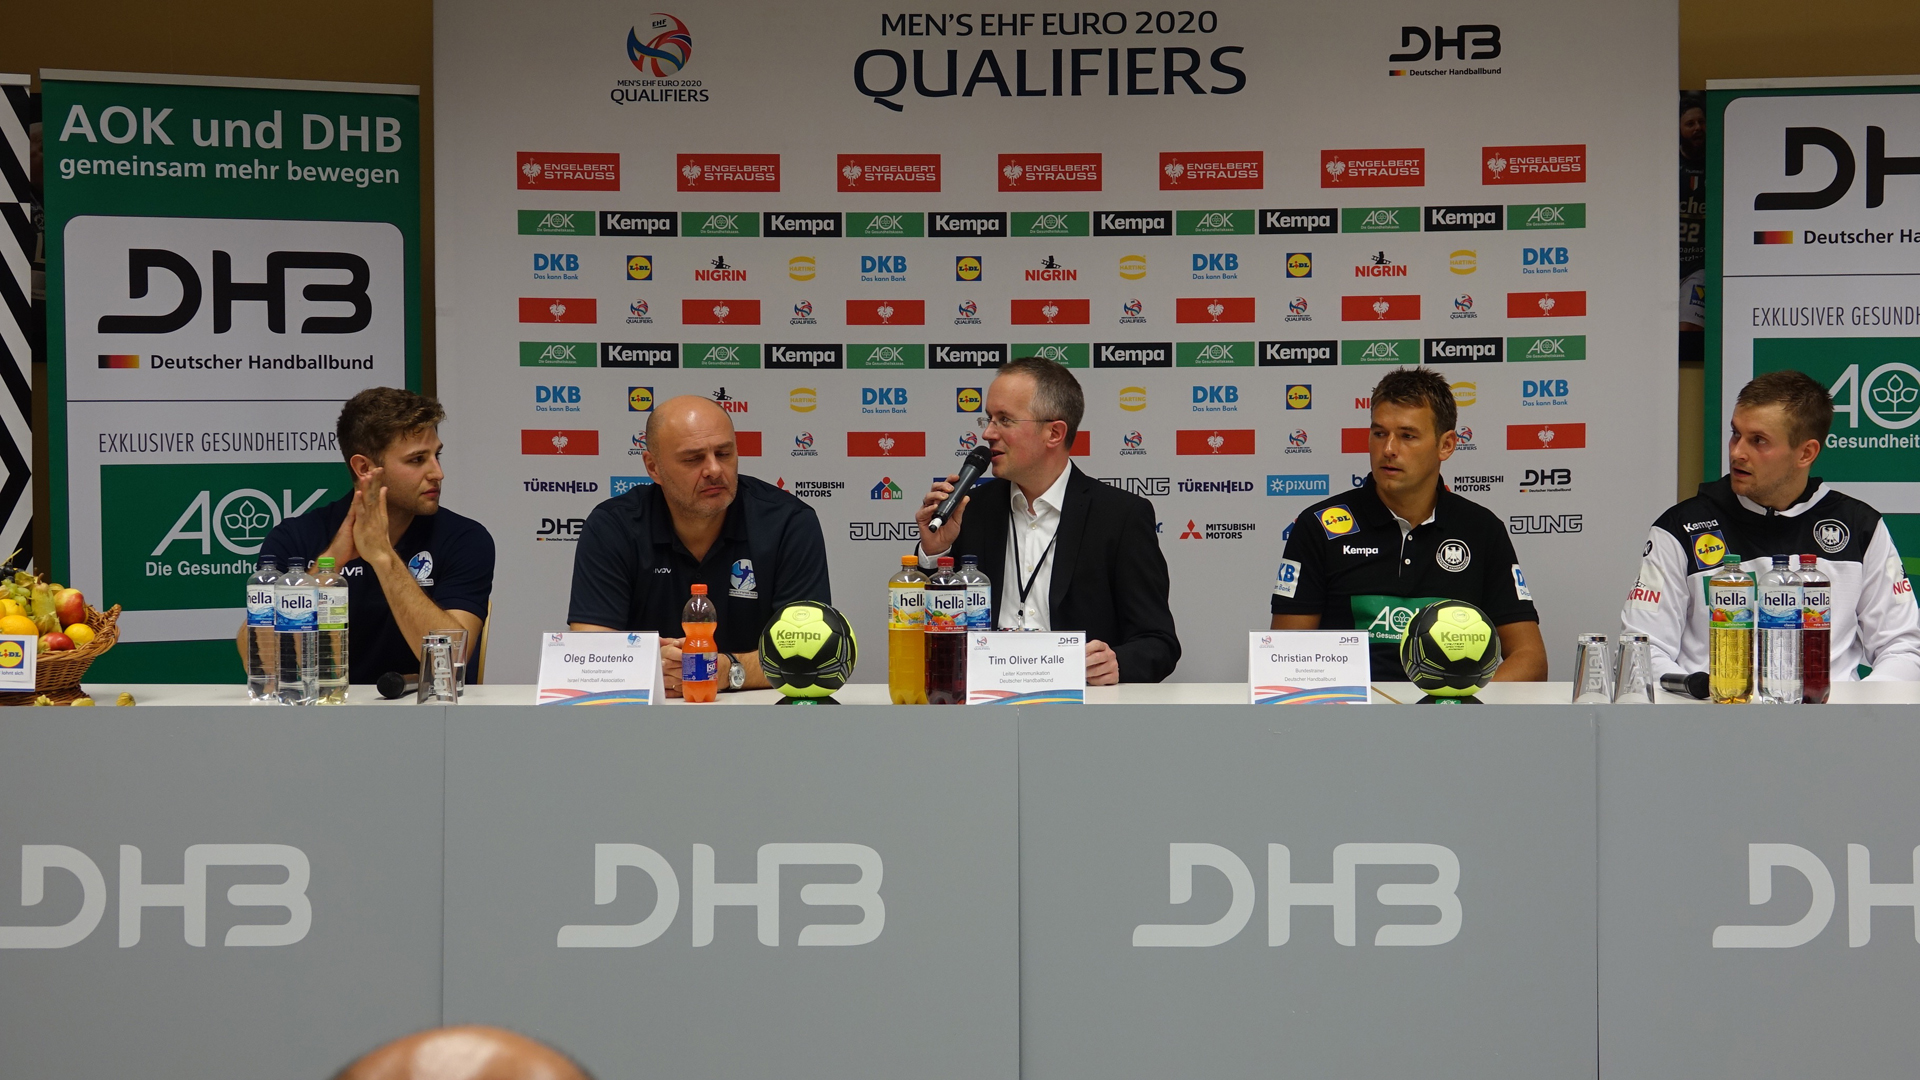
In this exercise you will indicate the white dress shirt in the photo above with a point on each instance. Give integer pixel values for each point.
(1032, 530)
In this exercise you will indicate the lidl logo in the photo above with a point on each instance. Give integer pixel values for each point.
(1299, 264)
(639, 268)
(801, 268)
(12, 655)
(1300, 396)
(1336, 521)
(1709, 549)
(803, 399)
(966, 268)
(639, 399)
(967, 399)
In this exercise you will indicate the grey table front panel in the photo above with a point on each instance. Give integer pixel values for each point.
(1111, 797)
(109, 976)
(550, 810)
(1699, 980)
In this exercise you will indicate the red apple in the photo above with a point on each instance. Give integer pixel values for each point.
(70, 606)
(57, 641)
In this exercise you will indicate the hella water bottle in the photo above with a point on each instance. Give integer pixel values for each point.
(294, 627)
(979, 594)
(1816, 631)
(1779, 625)
(330, 590)
(906, 634)
(262, 648)
(946, 636)
(1730, 605)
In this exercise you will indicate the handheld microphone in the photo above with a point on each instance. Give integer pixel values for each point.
(976, 463)
(393, 684)
(1694, 685)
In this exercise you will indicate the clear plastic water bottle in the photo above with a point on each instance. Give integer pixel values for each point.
(295, 623)
(1730, 633)
(1779, 659)
(262, 647)
(330, 619)
(979, 594)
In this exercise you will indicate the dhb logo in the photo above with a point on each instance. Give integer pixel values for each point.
(142, 262)
(1879, 167)
(190, 896)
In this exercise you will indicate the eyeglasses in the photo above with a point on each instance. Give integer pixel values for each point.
(1004, 423)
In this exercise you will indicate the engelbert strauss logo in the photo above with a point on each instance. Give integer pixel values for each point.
(668, 51)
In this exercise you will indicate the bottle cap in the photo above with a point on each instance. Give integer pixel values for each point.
(296, 564)
(946, 562)
(326, 562)
(909, 560)
(699, 590)
(969, 560)
(1809, 560)
(1781, 560)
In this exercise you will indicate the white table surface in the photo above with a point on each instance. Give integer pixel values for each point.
(1170, 693)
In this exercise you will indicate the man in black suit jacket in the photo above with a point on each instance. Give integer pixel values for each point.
(1065, 551)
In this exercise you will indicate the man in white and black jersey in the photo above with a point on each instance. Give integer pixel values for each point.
(1768, 505)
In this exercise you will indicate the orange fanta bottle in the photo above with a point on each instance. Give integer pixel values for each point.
(699, 656)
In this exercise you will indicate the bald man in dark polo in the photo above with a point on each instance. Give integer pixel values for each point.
(755, 547)
(464, 1053)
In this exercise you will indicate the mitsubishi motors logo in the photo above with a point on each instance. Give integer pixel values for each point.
(1190, 533)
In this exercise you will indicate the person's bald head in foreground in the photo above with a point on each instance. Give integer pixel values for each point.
(690, 454)
(464, 1053)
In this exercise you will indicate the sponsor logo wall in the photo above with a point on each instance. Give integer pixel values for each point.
(871, 251)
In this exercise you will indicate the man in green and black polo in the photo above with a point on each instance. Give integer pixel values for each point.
(1369, 558)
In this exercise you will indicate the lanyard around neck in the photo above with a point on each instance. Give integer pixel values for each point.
(1026, 582)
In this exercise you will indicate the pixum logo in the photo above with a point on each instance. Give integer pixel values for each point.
(1050, 172)
(1560, 164)
(1212, 170)
(1284, 894)
(889, 172)
(568, 172)
(763, 895)
(1373, 168)
(728, 172)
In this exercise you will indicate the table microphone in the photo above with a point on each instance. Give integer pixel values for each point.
(976, 463)
(1694, 685)
(393, 684)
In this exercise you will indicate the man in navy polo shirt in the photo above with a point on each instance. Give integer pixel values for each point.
(755, 547)
(1369, 558)
(411, 566)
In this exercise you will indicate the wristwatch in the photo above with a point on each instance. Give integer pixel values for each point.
(736, 672)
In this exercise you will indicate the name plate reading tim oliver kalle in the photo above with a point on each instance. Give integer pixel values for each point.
(1026, 667)
(1307, 667)
(598, 669)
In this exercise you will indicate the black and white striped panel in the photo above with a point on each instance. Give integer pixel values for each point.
(19, 332)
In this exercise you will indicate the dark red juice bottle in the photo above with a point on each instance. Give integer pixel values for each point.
(946, 636)
(1816, 630)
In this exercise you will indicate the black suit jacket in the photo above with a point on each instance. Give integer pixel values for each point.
(1109, 578)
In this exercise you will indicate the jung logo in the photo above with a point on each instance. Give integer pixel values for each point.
(1284, 894)
(190, 896)
(1863, 895)
(762, 894)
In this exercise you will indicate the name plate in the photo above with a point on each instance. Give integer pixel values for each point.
(598, 669)
(1308, 667)
(1027, 667)
(18, 657)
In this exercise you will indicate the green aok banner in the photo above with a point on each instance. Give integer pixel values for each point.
(227, 262)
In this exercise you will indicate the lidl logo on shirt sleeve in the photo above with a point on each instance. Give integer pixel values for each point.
(1288, 580)
(1708, 549)
(1337, 521)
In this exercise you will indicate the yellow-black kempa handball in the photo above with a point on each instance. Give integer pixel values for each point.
(808, 650)
(1450, 649)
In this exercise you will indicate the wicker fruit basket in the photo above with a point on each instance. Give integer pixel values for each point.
(57, 674)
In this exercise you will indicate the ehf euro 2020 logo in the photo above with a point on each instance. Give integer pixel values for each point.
(666, 51)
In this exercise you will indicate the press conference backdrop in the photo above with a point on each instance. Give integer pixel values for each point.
(1229, 222)
(228, 261)
(1815, 254)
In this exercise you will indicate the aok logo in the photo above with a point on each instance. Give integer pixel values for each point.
(1284, 894)
(141, 262)
(190, 896)
(1863, 895)
(1889, 395)
(1879, 167)
(761, 894)
(240, 521)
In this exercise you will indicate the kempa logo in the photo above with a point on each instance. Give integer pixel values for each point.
(762, 894)
(967, 225)
(1284, 894)
(1463, 218)
(1863, 895)
(190, 896)
(810, 225)
(240, 521)
(628, 223)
